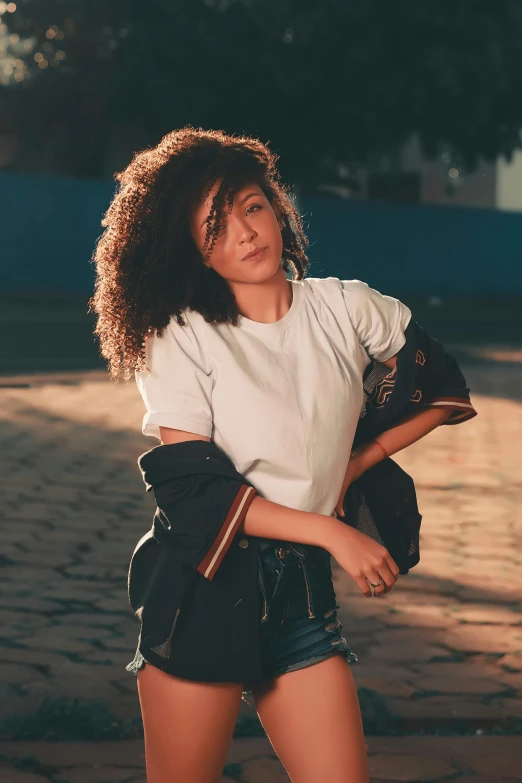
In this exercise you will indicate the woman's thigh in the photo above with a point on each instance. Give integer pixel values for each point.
(188, 726)
(313, 720)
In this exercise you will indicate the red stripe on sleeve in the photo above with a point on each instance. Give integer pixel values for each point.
(214, 557)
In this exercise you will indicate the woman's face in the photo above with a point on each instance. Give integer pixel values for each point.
(252, 224)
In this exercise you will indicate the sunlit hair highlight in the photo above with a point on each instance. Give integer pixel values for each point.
(148, 267)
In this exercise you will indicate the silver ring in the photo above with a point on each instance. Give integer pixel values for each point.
(378, 584)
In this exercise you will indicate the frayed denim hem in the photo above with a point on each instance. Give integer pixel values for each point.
(137, 662)
(348, 654)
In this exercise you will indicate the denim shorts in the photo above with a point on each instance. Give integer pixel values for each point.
(298, 618)
(298, 610)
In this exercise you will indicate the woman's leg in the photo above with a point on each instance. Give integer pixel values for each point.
(188, 726)
(313, 720)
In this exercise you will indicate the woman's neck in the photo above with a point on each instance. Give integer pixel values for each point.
(265, 302)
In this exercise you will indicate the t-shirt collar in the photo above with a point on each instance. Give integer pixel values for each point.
(276, 327)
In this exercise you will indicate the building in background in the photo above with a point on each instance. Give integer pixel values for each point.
(412, 178)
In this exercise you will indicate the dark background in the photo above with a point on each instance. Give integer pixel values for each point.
(397, 124)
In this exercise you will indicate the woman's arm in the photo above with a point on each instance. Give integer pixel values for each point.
(409, 430)
(267, 519)
(363, 558)
(359, 555)
(397, 438)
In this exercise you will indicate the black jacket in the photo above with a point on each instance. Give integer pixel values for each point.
(193, 579)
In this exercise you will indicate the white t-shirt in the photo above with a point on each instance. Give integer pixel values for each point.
(281, 399)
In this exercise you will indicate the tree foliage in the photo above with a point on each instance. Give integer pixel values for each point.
(336, 81)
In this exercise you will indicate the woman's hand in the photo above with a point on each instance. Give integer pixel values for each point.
(355, 469)
(364, 457)
(365, 560)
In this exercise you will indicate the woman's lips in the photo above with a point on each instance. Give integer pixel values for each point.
(260, 253)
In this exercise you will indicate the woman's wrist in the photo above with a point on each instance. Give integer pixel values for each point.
(369, 454)
(329, 533)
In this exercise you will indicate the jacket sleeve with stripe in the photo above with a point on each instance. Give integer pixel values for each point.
(201, 501)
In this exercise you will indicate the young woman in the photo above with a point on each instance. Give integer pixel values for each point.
(192, 297)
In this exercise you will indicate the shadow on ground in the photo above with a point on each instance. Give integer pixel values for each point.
(73, 508)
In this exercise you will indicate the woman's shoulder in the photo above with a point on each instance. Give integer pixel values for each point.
(190, 329)
(176, 341)
(331, 290)
(325, 284)
(355, 292)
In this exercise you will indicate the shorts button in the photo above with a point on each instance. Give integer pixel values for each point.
(281, 551)
(243, 543)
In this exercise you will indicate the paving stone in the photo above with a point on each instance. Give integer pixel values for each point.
(99, 774)
(511, 680)
(81, 501)
(76, 754)
(479, 638)
(116, 658)
(244, 748)
(420, 619)
(406, 767)
(461, 750)
(458, 752)
(466, 708)
(479, 588)
(53, 641)
(400, 652)
(471, 669)
(483, 779)
(512, 707)
(34, 657)
(386, 686)
(264, 770)
(10, 774)
(20, 674)
(502, 766)
(511, 661)
(91, 619)
(459, 684)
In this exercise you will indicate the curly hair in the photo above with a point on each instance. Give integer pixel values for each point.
(148, 267)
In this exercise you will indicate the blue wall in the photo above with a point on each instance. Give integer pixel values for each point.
(420, 249)
(48, 230)
(49, 226)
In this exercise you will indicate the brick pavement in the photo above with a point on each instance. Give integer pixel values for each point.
(441, 653)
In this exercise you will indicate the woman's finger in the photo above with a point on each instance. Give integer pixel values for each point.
(392, 566)
(386, 580)
(363, 586)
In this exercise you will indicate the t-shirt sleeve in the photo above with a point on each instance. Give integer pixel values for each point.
(177, 392)
(378, 320)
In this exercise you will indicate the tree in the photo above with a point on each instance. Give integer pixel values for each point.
(337, 82)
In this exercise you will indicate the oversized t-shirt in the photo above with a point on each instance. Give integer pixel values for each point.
(282, 399)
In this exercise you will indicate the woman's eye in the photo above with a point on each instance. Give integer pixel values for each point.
(220, 229)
